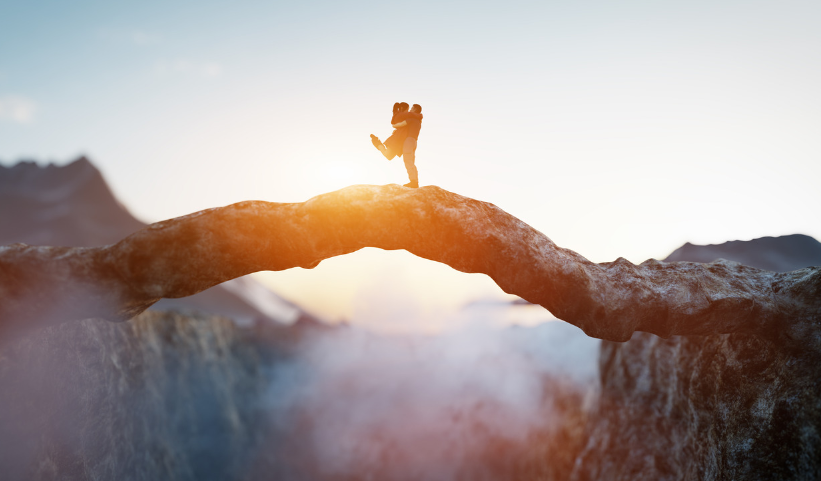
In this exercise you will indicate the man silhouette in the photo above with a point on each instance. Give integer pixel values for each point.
(413, 121)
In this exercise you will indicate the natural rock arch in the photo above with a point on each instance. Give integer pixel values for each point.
(182, 256)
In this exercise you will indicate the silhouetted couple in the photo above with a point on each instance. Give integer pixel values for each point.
(402, 141)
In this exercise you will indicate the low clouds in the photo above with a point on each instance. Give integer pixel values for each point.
(470, 404)
(17, 109)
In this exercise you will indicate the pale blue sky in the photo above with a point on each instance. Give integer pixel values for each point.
(616, 128)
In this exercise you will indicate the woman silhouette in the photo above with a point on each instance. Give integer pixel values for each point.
(393, 145)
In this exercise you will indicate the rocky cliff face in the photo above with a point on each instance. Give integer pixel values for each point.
(724, 407)
(161, 397)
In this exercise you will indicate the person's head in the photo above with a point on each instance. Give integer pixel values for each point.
(416, 108)
(396, 107)
(403, 107)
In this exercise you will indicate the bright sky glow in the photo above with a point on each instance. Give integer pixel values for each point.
(616, 128)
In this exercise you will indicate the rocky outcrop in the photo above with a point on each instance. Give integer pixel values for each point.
(721, 407)
(183, 256)
(162, 397)
(718, 407)
(72, 205)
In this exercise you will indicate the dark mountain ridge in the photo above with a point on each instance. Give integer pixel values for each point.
(72, 205)
(780, 254)
(69, 205)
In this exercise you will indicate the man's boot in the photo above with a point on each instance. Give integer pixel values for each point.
(412, 185)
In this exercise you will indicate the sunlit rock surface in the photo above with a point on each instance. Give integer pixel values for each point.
(183, 256)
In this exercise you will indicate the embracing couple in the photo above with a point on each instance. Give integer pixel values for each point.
(402, 141)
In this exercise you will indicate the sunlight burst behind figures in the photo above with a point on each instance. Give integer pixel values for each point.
(338, 172)
(420, 323)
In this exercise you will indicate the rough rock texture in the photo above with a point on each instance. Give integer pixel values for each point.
(162, 397)
(722, 407)
(732, 407)
(182, 256)
(72, 205)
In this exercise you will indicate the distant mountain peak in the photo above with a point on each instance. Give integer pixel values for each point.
(68, 205)
(780, 254)
(72, 205)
